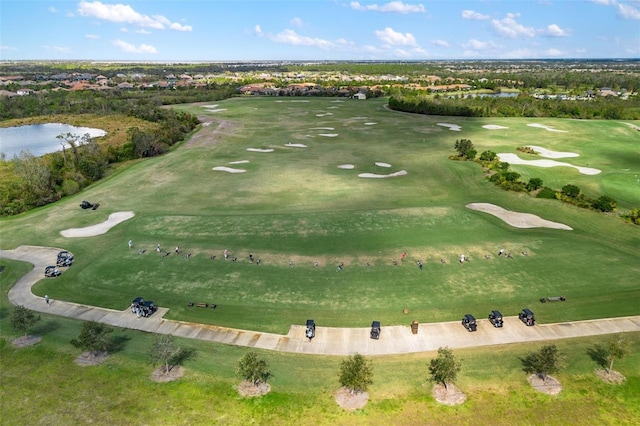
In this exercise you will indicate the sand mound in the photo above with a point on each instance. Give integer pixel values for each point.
(515, 219)
(514, 159)
(450, 395)
(383, 164)
(552, 154)
(239, 162)
(453, 127)
(295, 145)
(548, 128)
(494, 127)
(377, 176)
(328, 135)
(346, 166)
(551, 386)
(351, 401)
(260, 149)
(228, 169)
(100, 228)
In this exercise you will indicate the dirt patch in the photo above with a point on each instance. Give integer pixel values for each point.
(91, 358)
(160, 376)
(450, 395)
(351, 401)
(551, 386)
(247, 389)
(211, 132)
(25, 341)
(612, 377)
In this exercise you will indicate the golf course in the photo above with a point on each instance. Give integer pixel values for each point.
(278, 210)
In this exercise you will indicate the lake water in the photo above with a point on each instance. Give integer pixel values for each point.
(39, 139)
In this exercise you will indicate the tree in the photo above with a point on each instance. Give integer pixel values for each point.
(544, 362)
(534, 184)
(445, 367)
(605, 204)
(253, 369)
(356, 373)
(488, 156)
(22, 319)
(617, 350)
(164, 350)
(463, 146)
(93, 337)
(570, 190)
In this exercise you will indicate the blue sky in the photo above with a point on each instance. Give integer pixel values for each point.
(225, 30)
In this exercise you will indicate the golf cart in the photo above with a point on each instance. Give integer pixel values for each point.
(375, 330)
(495, 318)
(469, 322)
(51, 271)
(148, 308)
(311, 329)
(526, 316)
(64, 259)
(87, 205)
(136, 304)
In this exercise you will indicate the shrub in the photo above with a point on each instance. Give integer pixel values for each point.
(546, 192)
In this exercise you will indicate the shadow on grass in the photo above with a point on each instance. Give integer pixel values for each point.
(118, 343)
(46, 327)
(598, 354)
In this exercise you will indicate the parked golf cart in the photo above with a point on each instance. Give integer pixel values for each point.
(148, 308)
(87, 205)
(375, 330)
(526, 316)
(495, 318)
(64, 259)
(136, 304)
(469, 322)
(311, 329)
(51, 271)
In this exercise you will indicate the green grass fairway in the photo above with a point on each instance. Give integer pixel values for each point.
(295, 204)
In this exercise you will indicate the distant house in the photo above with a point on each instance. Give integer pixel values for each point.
(24, 92)
(606, 91)
(359, 95)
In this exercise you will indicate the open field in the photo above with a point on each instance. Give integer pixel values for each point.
(295, 205)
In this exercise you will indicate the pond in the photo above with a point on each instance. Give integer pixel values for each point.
(39, 139)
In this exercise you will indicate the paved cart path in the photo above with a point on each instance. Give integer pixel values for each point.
(328, 341)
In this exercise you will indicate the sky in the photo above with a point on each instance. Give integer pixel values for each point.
(313, 30)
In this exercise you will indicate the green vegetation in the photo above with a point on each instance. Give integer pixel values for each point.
(94, 337)
(253, 369)
(548, 360)
(22, 319)
(356, 373)
(445, 367)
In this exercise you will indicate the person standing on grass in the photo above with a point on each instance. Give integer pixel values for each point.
(130, 243)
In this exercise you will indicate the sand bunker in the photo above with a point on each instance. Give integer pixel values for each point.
(514, 159)
(453, 127)
(515, 219)
(322, 128)
(228, 169)
(100, 228)
(383, 164)
(296, 145)
(210, 106)
(239, 162)
(217, 110)
(377, 176)
(552, 154)
(328, 135)
(548, 128)
(370, 124)
(260, 149)
(494, 127)
(324, 114)
(346, 166)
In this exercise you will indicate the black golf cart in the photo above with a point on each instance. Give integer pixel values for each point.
(495, 318)
(469, 322)
(375, 330)
(310, 333)
(526, 316)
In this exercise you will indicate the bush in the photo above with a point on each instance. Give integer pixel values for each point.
(356, 373)
(546, 192)
(605, 204)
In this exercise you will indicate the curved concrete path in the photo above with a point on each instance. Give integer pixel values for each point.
(328, 340)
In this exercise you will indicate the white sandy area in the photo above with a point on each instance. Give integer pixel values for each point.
(633, 126)
(210, 106)
(239, 162)
(333, 107)
(296, 145)
(552, 154)
(217, 110)
(328, 135)
(514, 159)
(377, 176)
(453, 127)
(382, 164)
(548, 128)
(337, 101)
(206, 124)
(260, 149)
(300, 101)
(228, 169)
(346, 166)
(324, 114)
(322, 128)
(370, 124)
(515, 219)
(494, 127)
(100, 228)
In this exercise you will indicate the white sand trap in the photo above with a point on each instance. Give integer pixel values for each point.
(453, 127)
(210, 106)
(300, 101)
(514, 159)
(100, 228)
(515, 219)
(217, 110)
(322, 128)
(370, 124)
(260, 149)
(206, 124)
(328, 135)
(548, 128)
(228, 169)
(239, 162)
(552, 154)
(382, 164)
(296, 145)
(324, 114)
(494, 127)
(346, 166)
(333, 107)
(337, 101)
(377, 176)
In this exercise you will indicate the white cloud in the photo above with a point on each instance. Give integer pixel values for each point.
(441, 43)
(257, 30)
(122, 13)
(130, 48)
(296, 22)
(628, 11)
(391, 37)
(554, 30)
(143, 31)
(553, 52)
(92, 36)
(473, 15)
(6, 48)
(510, 28)
(295, 39)
(478, 45)
(394, 6)
(52, 9)
(60, 49)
